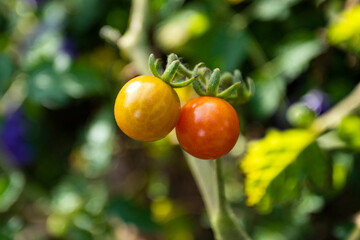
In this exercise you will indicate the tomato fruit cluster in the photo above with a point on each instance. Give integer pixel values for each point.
(147, 109)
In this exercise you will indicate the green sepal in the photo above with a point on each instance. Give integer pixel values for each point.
(153, 66)
(214, 81)
(230, 87)
(199, 89)
(171, 58)
(197, 85)
(227, 93)
(170, 71)
(184, 71)
(226, 80)
(246, 91)
(238, 76)
(158, 66)
(183, 83)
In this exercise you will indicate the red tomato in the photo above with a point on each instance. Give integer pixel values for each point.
(208, 127)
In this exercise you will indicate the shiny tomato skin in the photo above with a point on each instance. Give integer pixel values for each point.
(208, 127)
(146, 108)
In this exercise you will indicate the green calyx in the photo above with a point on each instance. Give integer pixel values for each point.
(230, 87)
(175, 73)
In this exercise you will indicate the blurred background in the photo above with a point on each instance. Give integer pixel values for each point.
(68, 172)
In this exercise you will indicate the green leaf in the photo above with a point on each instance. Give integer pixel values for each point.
(270, 80)
(97, 149)
(11, 188)
(10, 226)
(82, 81)
(130, 212)
(45, 88)
(342, 166)
(349, 131)
(54, 89)
(345, 30)
(266, 161)
(296, 55)
(267, 97)
(6, 69)
(74, 193)
(272, 9)
(183, 26)
(316, 167)
(84, 14)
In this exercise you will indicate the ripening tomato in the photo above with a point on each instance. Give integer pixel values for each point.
(146, 108)
(208, 127)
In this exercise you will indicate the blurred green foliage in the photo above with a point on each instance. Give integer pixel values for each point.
(299, 115)
(349, 131)
(68, 172)
(346, 29)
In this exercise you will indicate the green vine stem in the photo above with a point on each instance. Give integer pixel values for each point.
(14, 96)
(134, 42)
(224, 221)
(332, 118)
(355, 234)
(350, 3)
(221, 199)
(209, 178)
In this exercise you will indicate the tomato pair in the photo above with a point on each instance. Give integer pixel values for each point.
(147, 109)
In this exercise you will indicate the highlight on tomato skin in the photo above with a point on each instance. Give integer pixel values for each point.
(146, 108)
(208, 127)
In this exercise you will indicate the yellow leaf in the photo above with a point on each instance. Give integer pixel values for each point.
(346, 28)
(268, 157)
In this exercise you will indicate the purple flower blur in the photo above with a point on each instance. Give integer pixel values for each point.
(317, 101)
(68, 46)
(13, 136)
(33, 3)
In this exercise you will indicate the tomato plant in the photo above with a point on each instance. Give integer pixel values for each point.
(208, 127)
(146, 108)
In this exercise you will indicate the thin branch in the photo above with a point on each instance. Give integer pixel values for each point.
(14, 96)
(333, 117)
(110, 34)
(134, 42)
(221, 201)
(351, 3)
(203, 173)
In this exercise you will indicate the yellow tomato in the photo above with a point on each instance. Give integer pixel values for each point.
(146, 108)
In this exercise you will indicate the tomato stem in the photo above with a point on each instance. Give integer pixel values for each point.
(172, 70)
